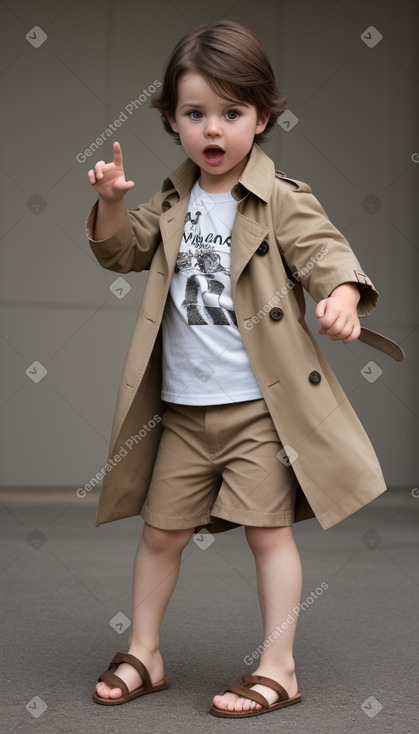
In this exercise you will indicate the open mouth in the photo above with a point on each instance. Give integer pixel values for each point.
(213, 155)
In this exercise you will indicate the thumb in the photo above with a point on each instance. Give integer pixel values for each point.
(321, 308)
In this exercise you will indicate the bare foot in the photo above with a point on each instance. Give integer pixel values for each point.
(153, 663)
(233, 702)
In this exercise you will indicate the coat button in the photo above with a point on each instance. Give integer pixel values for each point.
(276, 314)
(315, 377)
(263, 248)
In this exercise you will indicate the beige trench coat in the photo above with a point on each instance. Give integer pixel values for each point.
(335, 464)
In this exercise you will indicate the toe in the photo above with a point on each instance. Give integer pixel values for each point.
(232, 702)
(102, 690)
(105, 692)
(226, 702)
(240, 705)
(246, 704)
(115, 693)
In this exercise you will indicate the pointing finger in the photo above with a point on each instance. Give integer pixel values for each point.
(117, 155)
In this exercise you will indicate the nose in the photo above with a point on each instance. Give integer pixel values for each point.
(213, 127)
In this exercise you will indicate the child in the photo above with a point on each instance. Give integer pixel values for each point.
(228, 414)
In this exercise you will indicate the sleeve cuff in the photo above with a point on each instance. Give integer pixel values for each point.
(369, 293)
(123, 234)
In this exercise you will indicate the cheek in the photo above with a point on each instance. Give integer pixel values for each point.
(240, 137)
(189, 133)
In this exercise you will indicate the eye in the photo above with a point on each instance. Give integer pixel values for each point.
(195, 114)
(232, 115)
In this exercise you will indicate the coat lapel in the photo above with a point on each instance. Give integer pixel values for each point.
(246, 237)
(172, 225)
(257, 178)
(178, 187)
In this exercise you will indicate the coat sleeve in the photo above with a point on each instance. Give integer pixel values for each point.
(316, 252)
(132, 247)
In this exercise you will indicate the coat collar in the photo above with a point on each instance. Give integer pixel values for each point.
(258, 176)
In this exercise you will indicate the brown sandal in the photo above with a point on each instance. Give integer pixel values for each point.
(114, 681)
(244, 689)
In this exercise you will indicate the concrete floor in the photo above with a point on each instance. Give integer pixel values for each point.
(63, 581)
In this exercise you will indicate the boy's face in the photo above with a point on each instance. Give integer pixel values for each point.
(217, 134)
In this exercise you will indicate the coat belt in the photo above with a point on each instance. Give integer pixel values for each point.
(381, 342)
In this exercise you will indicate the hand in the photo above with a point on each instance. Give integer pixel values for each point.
(109, 178)
(337, 314)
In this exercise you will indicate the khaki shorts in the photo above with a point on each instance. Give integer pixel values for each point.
(219, 461)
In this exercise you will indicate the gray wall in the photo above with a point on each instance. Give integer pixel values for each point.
(355, 143)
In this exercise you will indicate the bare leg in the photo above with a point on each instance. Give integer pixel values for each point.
(279, 579)
(156, 570)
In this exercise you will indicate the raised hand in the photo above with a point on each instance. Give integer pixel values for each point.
(108, 179)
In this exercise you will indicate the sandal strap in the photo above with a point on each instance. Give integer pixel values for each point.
(251, 680)
(137, 664)
(114, 681)
(246, 692)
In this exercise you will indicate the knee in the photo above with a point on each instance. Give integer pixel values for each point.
(158, 539)
(262, 540)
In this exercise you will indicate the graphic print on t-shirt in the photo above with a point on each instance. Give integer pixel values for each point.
(205, 366)
(205, 264)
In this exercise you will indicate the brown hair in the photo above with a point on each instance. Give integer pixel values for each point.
(234, 64)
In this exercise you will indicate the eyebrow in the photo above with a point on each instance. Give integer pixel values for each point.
(234, 102)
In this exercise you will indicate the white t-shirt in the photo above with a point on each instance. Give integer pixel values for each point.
(204, 358)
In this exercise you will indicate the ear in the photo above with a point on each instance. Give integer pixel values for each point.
(172, 121)
(262, 121)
